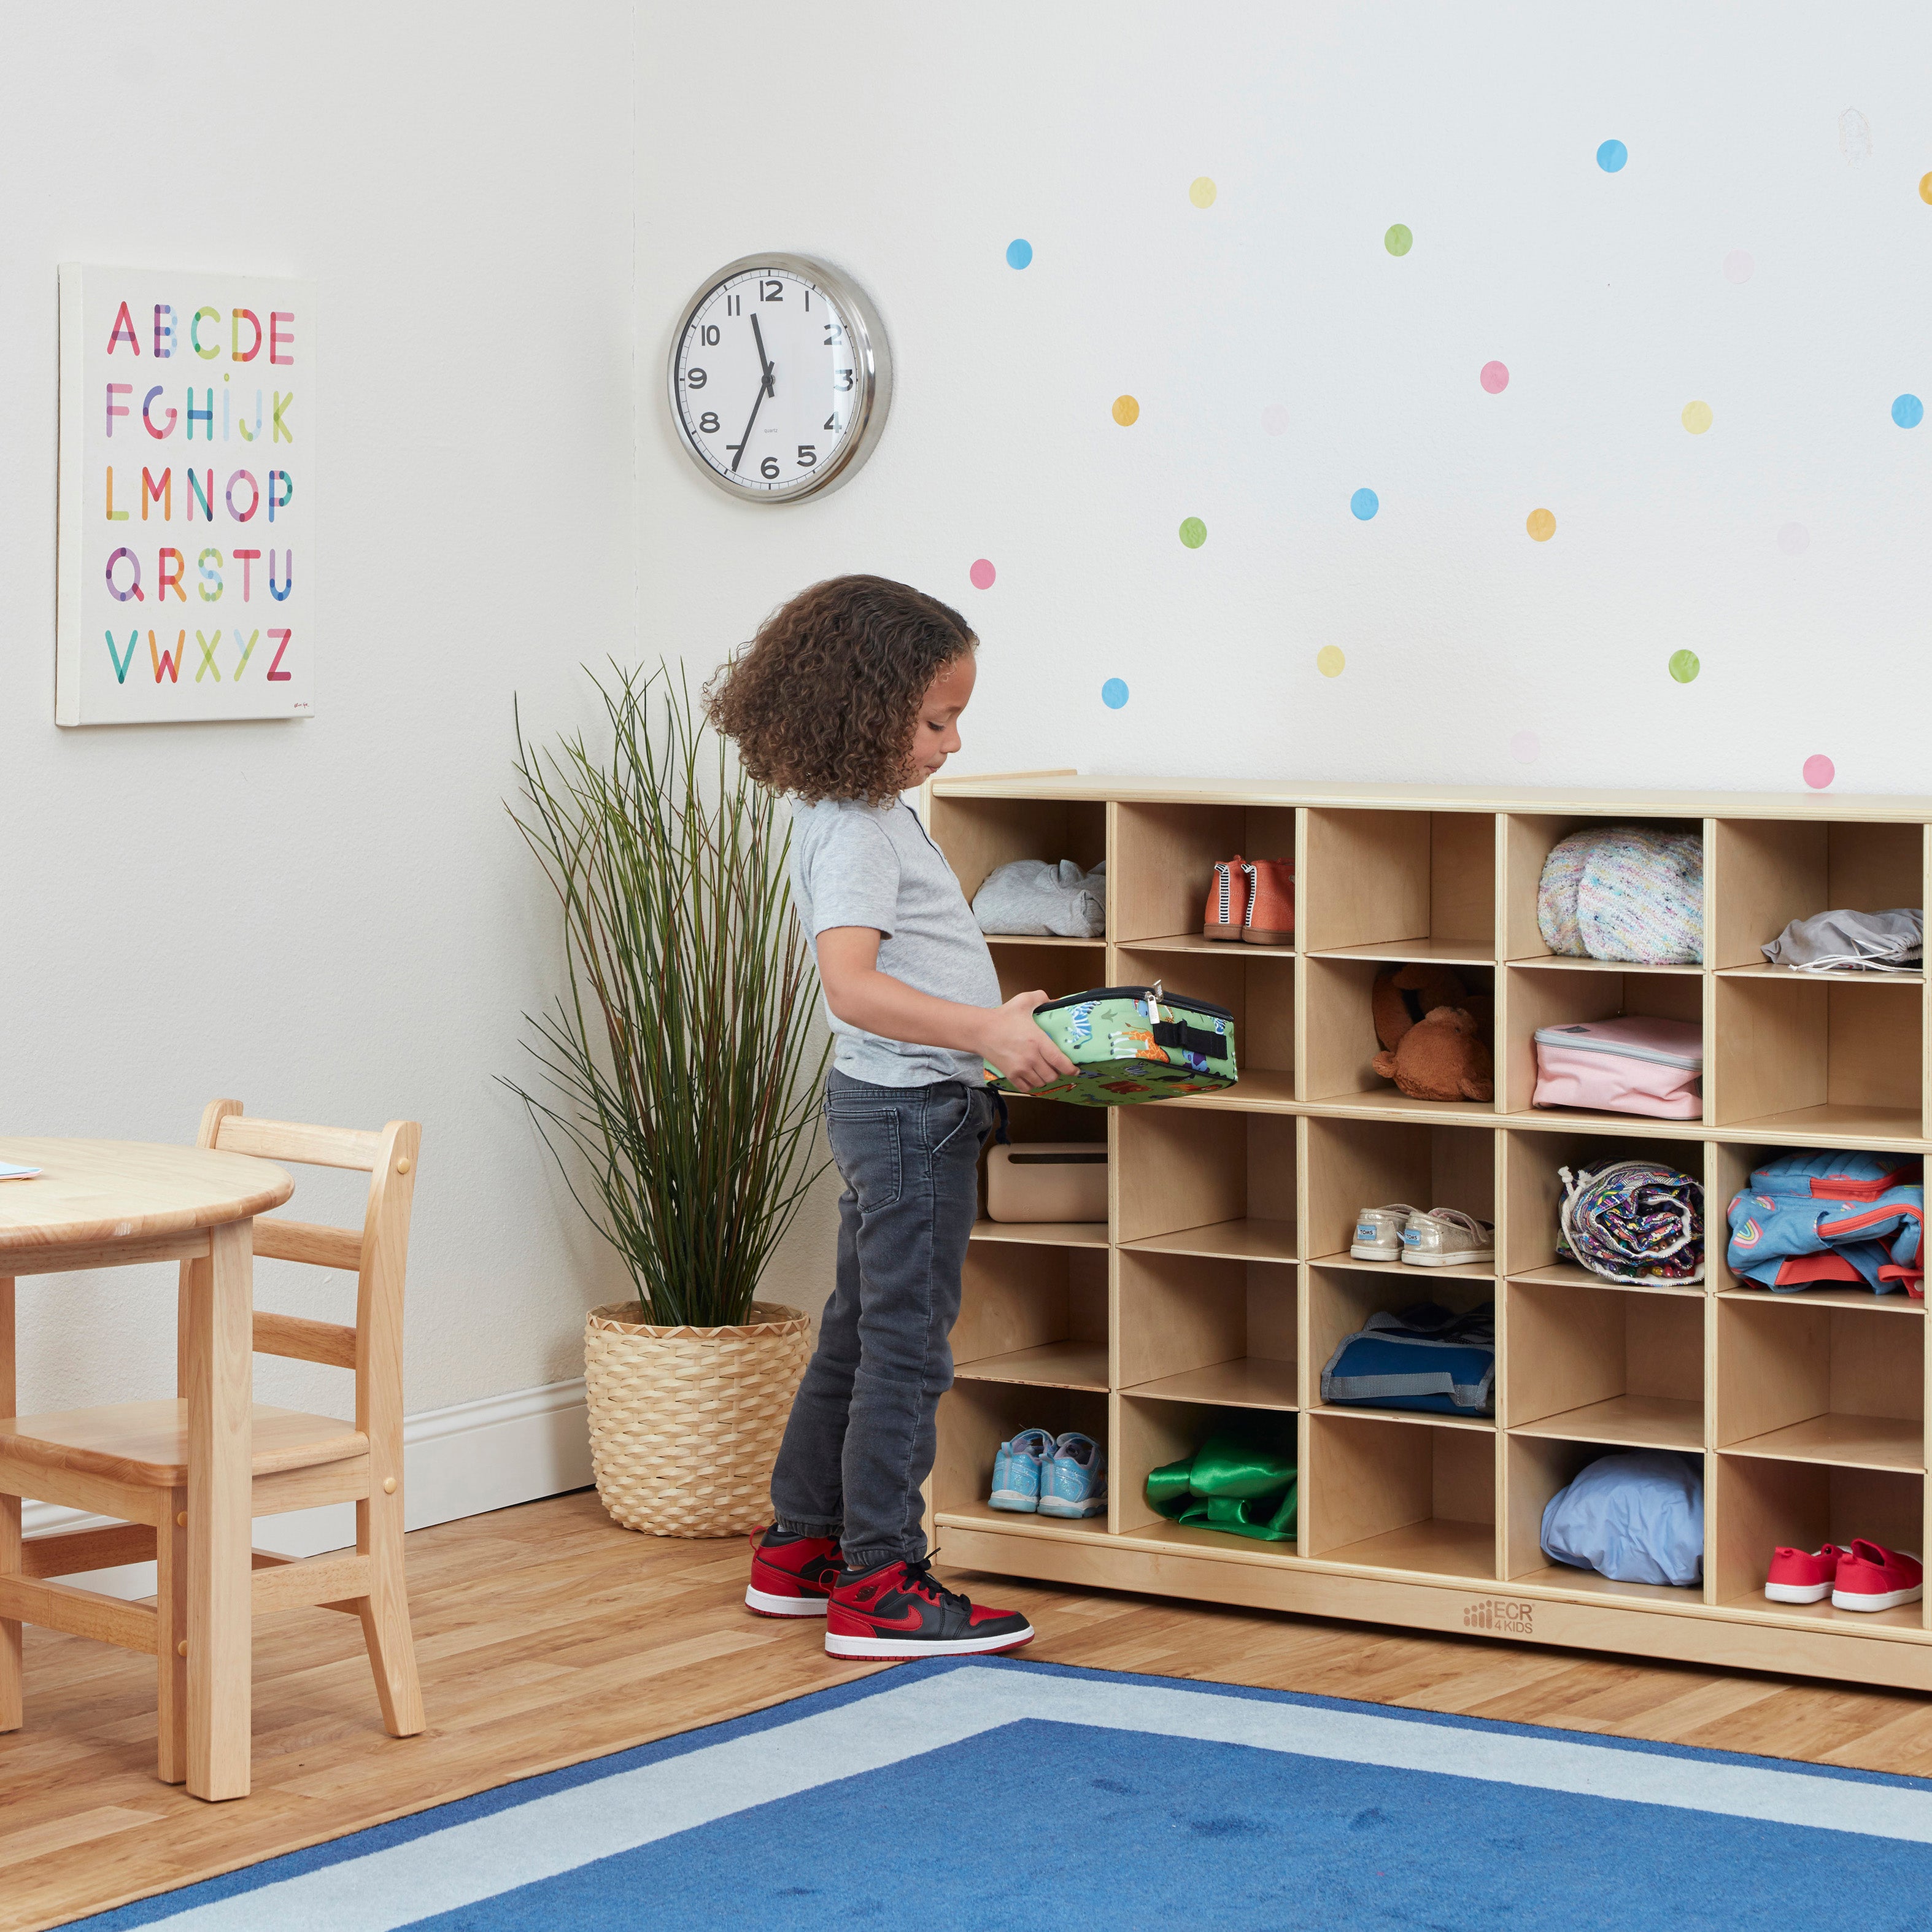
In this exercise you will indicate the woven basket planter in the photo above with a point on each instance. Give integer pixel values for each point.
(684, 1423)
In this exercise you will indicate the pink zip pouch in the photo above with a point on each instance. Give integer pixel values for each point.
(1633, 1065)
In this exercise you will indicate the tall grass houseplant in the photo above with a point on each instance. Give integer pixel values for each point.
(675, 1085)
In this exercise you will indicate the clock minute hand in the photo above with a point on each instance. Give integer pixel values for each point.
(738, 448)
(765, 388)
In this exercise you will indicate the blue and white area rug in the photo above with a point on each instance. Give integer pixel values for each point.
(978, 1794)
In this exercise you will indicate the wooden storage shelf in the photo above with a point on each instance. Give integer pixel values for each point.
(1223, 1283)
(1628, 1422)
(1856, 1441)
(1223, 1240)
(1044, 939)
(1067, 1365)
(1043, 1234)
(1252, 1382)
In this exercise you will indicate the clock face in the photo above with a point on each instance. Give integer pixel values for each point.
(775, 379)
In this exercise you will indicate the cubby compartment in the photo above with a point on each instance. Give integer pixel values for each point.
(1202, 1330)
(1767, 872)
(1414, 1495)
(1341, 1299)
(1256, 984)
(1606, 1366)
(1035, 1314)
(1545, 995)
(1402, 885)
(975, 1417)
(1059, 968)
(1527, 839)
(977, 835)
(1157, 889)
(1733, 1164)
(1196, 1180)
(1538, 1468)
(1761, 1505)
(1810, 1384)
(1535, 1159)
(1353, 1164)
(1340, 1045)
(1154, 1433)
(1832, 1061)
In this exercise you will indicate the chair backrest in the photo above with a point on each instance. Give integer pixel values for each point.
(378, 1255)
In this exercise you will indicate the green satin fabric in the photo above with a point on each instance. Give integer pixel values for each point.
(1230, 1482)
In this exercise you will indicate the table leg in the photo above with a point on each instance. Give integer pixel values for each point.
(220, 1458)
(12, 1715)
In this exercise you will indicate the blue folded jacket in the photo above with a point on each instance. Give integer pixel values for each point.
(1637, 1516)
(1427, 1357)
(1831, 1217)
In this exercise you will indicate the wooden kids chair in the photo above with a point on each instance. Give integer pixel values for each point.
(114, 1459)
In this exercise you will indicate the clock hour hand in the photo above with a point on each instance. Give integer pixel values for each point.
(764, 360)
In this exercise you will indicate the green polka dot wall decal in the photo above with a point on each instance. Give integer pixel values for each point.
(1193, 532)
(1398, 241)
(1684, 667)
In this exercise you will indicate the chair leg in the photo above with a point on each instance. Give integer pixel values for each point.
(12, 1710)
(171, 1634)
(385, 1614)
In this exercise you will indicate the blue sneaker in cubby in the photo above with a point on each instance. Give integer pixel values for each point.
(1075, 1482)
(1017, 1468)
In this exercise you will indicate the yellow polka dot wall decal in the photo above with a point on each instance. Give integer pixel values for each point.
(1696, 418)
(1541, 524)
(1925, 187)
(1201, 191)
(1330, 661)
(1127, 411)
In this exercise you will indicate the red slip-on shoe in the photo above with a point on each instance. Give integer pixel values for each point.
(1227, 900)
(1802, 1576)
(1270, 918)
(900, 1610)
(1871, 1577)
(791, 1576)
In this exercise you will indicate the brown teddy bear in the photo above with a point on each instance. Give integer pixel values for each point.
(1434, 1034)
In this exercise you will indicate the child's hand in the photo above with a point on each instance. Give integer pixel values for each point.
(1014, 1042)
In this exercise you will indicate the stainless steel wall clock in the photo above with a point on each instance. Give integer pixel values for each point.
(780, 379)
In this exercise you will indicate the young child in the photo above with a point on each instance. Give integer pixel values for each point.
(849, 695)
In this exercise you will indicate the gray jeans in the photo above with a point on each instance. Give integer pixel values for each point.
(859, 1443)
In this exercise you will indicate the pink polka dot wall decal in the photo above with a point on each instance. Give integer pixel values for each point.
(1738, 266)
(1819, 771)
(1494, 378)
(982, 574)
(1274, 419)
(1793, 539)
(1524, 747)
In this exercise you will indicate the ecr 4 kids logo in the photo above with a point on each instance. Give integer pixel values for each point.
(1498, 1615)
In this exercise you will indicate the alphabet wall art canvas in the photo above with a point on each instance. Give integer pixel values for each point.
(187, 435)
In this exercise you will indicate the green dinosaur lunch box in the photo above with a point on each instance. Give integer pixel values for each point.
(1134, 1043)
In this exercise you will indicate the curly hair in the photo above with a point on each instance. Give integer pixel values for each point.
(824, 702)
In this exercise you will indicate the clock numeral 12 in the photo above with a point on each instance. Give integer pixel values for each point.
(771, 291)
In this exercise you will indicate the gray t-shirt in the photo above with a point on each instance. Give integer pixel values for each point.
(861, 865)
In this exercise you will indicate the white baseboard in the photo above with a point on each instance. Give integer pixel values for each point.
(464, 1460)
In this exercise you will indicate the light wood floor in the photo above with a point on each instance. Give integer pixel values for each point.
(548, 1636)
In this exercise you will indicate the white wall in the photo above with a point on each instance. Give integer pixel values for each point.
(911, 145)
(331, 919)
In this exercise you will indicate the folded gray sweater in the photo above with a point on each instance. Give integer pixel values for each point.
(1040, 900)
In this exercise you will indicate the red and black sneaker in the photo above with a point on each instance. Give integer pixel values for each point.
(899, 1610)
(792, 1576)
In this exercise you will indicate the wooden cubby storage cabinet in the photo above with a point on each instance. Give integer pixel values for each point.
(1222, 1281)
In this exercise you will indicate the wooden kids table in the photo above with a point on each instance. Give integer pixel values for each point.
(109, 1203)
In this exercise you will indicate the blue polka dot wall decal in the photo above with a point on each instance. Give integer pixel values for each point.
(1907, 411)
(1018, 254)
(1114, 693)
(1365, 503)
(1611, 156)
